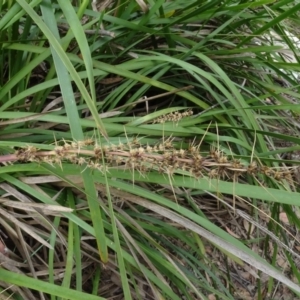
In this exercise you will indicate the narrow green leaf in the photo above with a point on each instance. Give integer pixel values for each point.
(45, 287)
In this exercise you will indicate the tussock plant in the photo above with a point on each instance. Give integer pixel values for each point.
(149, 149)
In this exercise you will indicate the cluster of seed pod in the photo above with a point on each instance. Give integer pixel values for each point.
(163, 157)
(173, 117)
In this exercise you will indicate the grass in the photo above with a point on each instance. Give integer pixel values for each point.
(149, 151)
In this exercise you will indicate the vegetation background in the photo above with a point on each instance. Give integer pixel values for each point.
(149, 149)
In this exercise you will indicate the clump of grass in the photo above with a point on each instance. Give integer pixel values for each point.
(136, 218)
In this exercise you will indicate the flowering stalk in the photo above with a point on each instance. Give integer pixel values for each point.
(164, 158)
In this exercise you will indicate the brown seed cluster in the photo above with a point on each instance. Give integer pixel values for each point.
(163, 157)
(173, 117)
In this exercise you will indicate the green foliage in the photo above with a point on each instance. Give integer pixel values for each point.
(123, 123)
